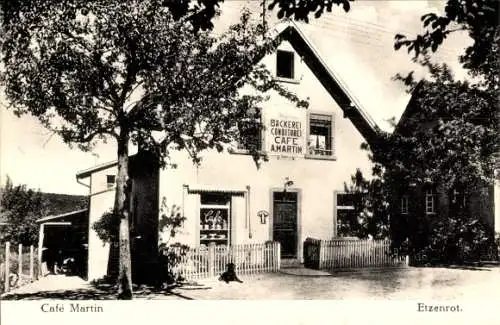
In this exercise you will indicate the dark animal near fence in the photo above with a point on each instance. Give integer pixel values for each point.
(230, 274)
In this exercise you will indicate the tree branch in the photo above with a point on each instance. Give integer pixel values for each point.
(457, 29)
(131, 71)
(89, 137)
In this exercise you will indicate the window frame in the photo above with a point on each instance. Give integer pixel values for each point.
(403, 204)
(292, 67)
(458, 199)
(110, 184)
(228, 207)
(431, 194)
(337, 208)
(331, 117)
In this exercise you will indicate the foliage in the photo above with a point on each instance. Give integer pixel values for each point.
(370, 217)
(106, 227)
(117, 68)
(497, 244)
(449, 135)
(62, 203)
(171, 254)
(20, 209)
(457, 239)
(301, 9)
(479, 18)
(171, 220)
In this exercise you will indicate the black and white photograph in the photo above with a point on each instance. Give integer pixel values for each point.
(264, 150)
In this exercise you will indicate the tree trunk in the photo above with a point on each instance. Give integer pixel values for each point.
(122, 209)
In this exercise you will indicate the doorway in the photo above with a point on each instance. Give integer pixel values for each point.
(285, 222)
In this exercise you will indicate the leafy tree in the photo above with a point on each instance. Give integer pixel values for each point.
(479, 18)
(122, 70)
(450, 138)
(20, 209)
(459, 145)
(301, 9)
(370, 217)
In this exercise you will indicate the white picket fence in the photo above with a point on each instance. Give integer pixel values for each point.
(211, 261)
(351, 254)
(17, 267)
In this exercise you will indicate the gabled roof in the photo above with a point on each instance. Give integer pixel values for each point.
(410, 109)
(87, 172)
(337, 89)
(330, 80)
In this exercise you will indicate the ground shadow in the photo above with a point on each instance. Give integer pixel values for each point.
(480, 266)
(80, 294)
(104, 291)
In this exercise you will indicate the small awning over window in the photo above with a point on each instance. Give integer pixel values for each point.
(215, 189)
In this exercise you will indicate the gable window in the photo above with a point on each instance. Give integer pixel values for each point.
(320, 141)
(285, 64)
(404, 204)
(110, 180)
(430, 201)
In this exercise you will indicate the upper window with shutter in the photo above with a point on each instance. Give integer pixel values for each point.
(320, 142)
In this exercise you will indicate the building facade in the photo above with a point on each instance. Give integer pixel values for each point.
(228, 199)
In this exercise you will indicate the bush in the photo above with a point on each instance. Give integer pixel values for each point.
(107, 227)
(454, 240)
(170, 254)
(170, 257)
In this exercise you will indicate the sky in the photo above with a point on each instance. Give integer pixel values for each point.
(358, 46)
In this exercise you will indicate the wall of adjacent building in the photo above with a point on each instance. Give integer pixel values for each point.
(101, 201)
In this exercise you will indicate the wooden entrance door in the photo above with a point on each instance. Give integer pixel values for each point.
(285, 222)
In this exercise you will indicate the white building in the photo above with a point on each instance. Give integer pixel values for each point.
(228, 200)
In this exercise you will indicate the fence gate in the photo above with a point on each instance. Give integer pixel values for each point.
(350, 254)
(311, 253)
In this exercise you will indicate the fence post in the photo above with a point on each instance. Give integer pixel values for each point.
(20, 262)
(211, 260)
(40, 249)
(321, 257)
(7, 266)
(32, 258)
(278, 256)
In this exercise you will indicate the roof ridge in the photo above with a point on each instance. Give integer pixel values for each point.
(337, 77)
